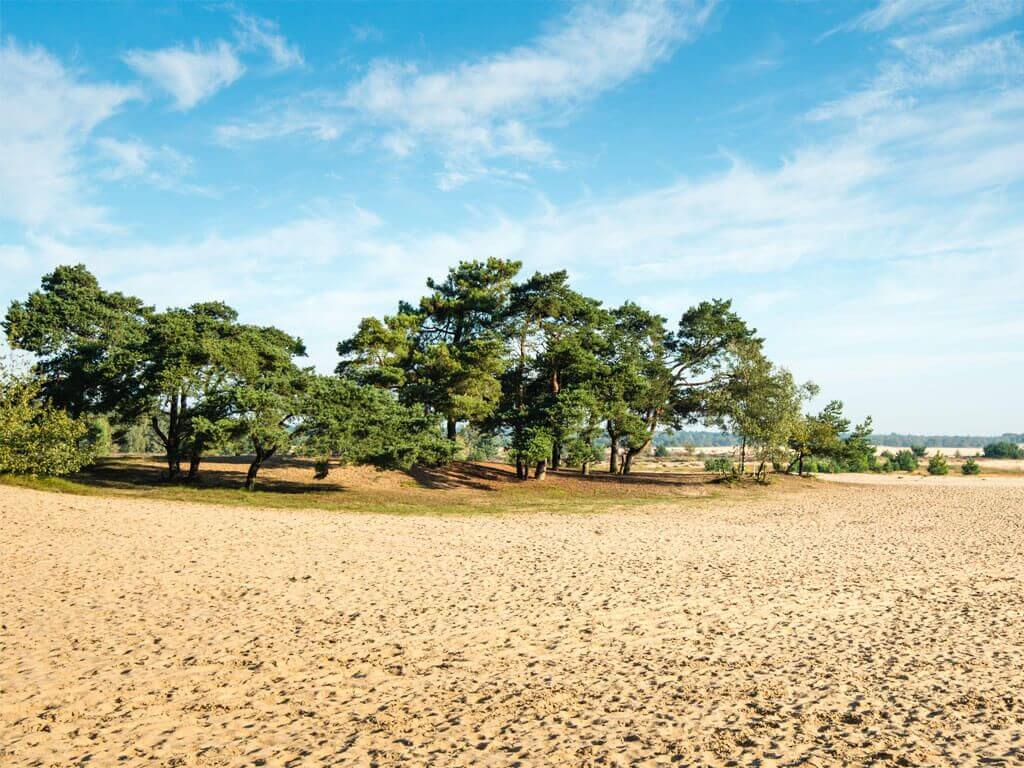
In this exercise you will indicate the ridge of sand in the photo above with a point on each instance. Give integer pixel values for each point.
(857, 625)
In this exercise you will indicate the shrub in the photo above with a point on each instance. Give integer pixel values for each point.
(906, 461)
(970, 467)
(662, 451)
(938, 465)
(1003, 449)
(919, 451)
(720, 464)
(35, 437)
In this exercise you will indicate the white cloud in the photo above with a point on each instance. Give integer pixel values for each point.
(483, 111)
(162, 167)
(189, 75)
(48, 113)
(255, 33)
(477, 107)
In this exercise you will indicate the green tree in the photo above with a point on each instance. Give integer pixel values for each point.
(762, 404)
(1003, 449)
(970, 467)
(88, 343)
(361, 424)
(36, 437)
(937, 465)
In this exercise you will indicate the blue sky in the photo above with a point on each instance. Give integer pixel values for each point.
(849, 173)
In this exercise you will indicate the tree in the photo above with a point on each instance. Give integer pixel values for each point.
(635, 384)
(36, 437)
(88, 343)
(447, 355)
(919, 450)
(261, 399)
(361, 424)
(938, 465)
(762, 404)
(970, 467)
(821, 436)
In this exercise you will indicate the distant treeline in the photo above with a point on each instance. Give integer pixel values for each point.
(709, 439)
(695, 438)
(944, 441)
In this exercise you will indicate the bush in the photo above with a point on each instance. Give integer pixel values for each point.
(906, 461)
(970, 467)
(720, 464)
(1003, 449)
(919, 451)
(938, 465)
(35, 437)
(662, 451)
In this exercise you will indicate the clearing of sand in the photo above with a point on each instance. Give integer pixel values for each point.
(879, 624)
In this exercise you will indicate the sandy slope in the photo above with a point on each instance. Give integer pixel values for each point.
(875, 624)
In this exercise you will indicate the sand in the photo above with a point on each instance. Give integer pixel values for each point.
(877, 624)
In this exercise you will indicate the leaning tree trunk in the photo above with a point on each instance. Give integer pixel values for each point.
(542, 469)
(257, 462)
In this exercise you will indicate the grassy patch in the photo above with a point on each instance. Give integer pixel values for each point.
(458, 490)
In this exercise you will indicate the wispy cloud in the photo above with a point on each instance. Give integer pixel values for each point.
(48, 114)
(162, 167)
(486, 110)
(255, 33)
(190, 75)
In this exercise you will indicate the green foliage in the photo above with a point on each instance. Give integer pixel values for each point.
(1003, 449)
(970, 467)
(359, 424)
(938, 465)
(905, 461)
(662, 451)
(100, 435)
(920, 451)
(479, 445)
(720, 464)
(37, 438)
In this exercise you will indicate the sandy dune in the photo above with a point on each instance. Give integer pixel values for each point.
(875, 624)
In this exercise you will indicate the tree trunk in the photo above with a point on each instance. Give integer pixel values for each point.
(451, 428)
(801, 465)
(250, 476)
(627, 462)
(257, 462)
(585, 468)
(743, 455)
(542, 469)
(193, 463)
(520, 469)
(613, 458)
(556, 456)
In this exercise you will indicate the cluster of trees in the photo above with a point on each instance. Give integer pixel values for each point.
(564, 378)
(553, 374)
(1003, 449)
(198, 379)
